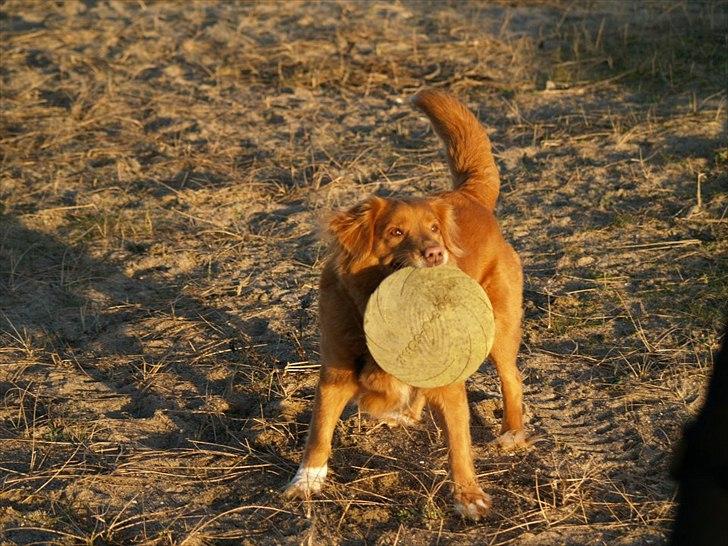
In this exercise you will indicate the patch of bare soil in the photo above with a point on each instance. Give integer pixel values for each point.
(165, 168)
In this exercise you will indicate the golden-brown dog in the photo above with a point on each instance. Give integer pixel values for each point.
(380, 235)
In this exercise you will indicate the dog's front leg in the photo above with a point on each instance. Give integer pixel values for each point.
(451, 405)
(336, 387)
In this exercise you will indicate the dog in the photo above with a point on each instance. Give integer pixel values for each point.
(379, 236)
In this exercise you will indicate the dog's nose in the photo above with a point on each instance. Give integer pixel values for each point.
(434, 255)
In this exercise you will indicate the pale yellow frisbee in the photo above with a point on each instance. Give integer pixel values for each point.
(429, 327)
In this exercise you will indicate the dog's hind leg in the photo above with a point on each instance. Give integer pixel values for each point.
(414, 412)
(504, 356)
(507, 308)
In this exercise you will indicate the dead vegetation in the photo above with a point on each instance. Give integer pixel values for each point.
(164, 171)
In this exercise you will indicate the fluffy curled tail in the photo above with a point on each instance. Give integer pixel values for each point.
(466, 142)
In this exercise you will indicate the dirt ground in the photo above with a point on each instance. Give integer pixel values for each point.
(165, 169)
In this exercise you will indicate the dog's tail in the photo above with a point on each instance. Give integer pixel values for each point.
(466, 142)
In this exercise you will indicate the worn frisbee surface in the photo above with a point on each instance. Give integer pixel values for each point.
(429, 326)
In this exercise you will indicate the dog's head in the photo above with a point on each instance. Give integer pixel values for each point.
(396, 233)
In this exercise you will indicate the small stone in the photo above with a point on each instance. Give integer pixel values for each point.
(585, 261)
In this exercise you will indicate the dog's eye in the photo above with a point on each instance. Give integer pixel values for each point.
(435, 228)
(396, 232)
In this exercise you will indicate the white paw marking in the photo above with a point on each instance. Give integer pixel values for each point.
(512, 440)
(308, 480)
(474, 510)
(397, 418)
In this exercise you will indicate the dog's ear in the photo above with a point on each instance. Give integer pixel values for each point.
(448, 227)
(354, 228)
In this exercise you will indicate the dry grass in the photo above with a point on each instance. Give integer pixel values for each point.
(164, 170)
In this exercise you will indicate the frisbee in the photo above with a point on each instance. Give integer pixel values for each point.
(429, 327)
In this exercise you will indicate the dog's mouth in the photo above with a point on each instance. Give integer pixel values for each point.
(417, 261)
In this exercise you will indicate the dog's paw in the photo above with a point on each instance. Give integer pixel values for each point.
(395, 420)
(306, 482)
(471, 502)
(512, 440)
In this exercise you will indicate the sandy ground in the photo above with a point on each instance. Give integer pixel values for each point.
(165, 169)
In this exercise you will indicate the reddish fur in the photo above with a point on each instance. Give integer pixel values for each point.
(468, 146)
(363, 248)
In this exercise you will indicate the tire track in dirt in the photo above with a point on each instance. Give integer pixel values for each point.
(591, 444)
(576, 418)
(583, 424)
